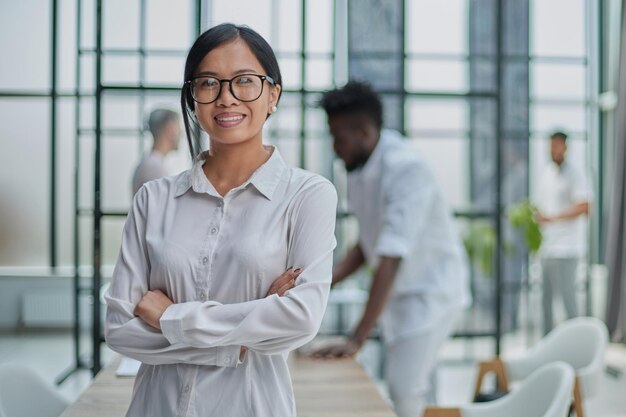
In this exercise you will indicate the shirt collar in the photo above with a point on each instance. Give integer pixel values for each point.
(265, 179)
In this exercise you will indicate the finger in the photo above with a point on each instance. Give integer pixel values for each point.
(280, 281)
(282, 290)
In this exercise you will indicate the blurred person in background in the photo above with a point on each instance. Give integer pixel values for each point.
(407, 235)
(164, 125)
(563, 201)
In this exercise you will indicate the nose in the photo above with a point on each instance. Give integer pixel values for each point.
(226, 96)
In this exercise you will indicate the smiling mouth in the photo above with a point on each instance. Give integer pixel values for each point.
(229, 121)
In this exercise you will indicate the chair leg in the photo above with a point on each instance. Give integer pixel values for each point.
(442, 412)
(497, 367)
(577, 402)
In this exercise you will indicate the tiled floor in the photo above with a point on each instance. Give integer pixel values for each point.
(50, 354)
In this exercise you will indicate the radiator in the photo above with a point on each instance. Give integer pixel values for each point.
(52, 308)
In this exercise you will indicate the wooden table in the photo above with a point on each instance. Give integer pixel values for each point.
(322, 389)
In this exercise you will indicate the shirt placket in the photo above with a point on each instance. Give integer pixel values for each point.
(208, 255)
(186, 391)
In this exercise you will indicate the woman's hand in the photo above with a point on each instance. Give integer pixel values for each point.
(284, 282)
(151, 307)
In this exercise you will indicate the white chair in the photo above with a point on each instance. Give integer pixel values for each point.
(546, 393)
(581, 342)
(24, 393)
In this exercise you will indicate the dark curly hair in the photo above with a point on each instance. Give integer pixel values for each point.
(355, 98)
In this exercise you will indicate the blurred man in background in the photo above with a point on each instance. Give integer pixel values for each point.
(563, 200)
(407, 235)
(165, 128)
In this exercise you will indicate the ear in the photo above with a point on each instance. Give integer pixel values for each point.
(273, 98)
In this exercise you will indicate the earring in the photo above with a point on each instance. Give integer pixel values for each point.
(274, 108)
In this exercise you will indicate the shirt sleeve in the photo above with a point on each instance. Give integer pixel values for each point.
(408, 193)
(131, 336)
(272, 325)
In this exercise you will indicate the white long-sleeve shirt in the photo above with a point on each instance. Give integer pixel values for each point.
(402, 213)
(216, 258)
(560, 189)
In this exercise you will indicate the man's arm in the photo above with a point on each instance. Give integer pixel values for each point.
(574, 211)
(353, 260)
(382, 283)
(384, 278)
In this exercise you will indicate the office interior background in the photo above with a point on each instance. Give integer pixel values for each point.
(477, 86)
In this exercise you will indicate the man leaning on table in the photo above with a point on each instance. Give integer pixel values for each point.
(407, 236)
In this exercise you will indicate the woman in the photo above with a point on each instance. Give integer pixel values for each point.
(194, 294)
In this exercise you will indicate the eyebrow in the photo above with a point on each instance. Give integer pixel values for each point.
(241, 71)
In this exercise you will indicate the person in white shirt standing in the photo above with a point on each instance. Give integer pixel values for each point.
(194, 294)
(406, 234)
(563, 201)
(164, 126)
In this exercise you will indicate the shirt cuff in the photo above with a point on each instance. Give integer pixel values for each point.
(172, 323)
(392, 246)
(228, 356)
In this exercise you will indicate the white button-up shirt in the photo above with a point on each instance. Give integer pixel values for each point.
(216, 258)
(560, 189)
(402, 213)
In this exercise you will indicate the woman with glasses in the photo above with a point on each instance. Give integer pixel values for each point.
(225, 268)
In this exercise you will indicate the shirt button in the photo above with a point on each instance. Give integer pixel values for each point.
(205, 260)
(186, 388)
(213, 231)
(201, 294)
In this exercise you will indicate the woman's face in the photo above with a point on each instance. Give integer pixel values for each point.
(227, 120)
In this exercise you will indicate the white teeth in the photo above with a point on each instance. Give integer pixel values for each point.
(229, 119)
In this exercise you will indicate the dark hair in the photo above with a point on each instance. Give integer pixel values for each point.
(559, 135)
(206, 42)
(355, 98)
(159, 118)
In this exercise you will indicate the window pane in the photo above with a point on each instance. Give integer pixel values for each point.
(319, 26)
(120, 155)
(66, 61)
(255, 13)
(170, 24)
(120, 70)
(25, 207)
(429, 114)
(447, 158)
(319, 74)
(26, 52)
(441, 76)
(547, 118)
(120, 112)
(288, 27)
(165, 70)
(439, 27)
(120, 25)
(288, 115)
(558, 81)
(292, 75)
(558, 27)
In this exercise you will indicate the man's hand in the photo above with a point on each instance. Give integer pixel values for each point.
(541, 219)
(347, 349)
(284, 282)
(151, 307)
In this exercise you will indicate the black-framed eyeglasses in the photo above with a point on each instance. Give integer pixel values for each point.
(245, 87)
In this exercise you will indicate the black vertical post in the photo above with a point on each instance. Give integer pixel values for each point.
(302, 88)
(77, 192)
(498, 193)
(53, 137)
(97, 213)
